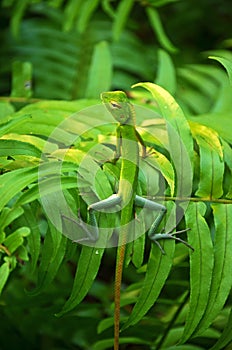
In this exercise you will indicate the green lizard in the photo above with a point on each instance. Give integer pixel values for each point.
(127, 148)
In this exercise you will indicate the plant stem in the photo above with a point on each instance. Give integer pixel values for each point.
(171, 323)
(191, 199)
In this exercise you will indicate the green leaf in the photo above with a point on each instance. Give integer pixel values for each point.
(179, 137)
(21, 81)
(158, 268)
(36, 141)
(14, 123)
(15, 239)
(33, 240)
(109, 343)
(166, 74)
(71, 11)
(198, 82)
(13, 182)
(123, 11)
(149, 172)
(105, 324)
(226, 336)
(19, 9)
(100, 71)
(227, 63)
(222, 104)
(135, 248)
(222, 278)
(86, 272)
(211, 158)
(158, 3)
(46, 187)
(59, 119)
(157, 27)
(6, 109)
(53, 253)
(4, 273)
(201, 266)
(22, 253)
(212, 121)
(173, 337)
(14, 147)
(159, 162)
(106, 6)
(227, 150)
(138, 247)
(185, 347)
(7, 216)
(86, 12)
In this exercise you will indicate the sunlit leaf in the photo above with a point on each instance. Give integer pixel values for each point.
(13, 147)
(14, 181)
(14, 123)
(180, 142)
(159, 162)
(211, 181)
(15, 239)
(212, 121)
(6, 109)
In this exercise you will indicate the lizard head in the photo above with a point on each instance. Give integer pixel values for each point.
(118, 105)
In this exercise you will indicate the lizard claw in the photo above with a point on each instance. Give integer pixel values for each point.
(169, 235)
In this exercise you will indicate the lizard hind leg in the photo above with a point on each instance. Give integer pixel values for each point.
(155, 237)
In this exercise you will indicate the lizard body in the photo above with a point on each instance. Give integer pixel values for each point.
(127, 147)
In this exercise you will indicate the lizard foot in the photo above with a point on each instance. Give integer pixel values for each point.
(169, 235)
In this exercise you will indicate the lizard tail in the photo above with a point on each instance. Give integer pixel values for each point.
(117, 292)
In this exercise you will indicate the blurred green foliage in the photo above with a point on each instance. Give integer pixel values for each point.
(56, 58)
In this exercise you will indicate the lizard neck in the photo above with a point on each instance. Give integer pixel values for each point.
(130, 160)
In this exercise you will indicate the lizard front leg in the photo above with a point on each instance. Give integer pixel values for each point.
(91, 230)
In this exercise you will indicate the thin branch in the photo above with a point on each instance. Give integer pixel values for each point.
(172, 322)
(191, 199)
(3, 248)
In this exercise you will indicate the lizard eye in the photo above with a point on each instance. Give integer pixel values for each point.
(115, 104)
